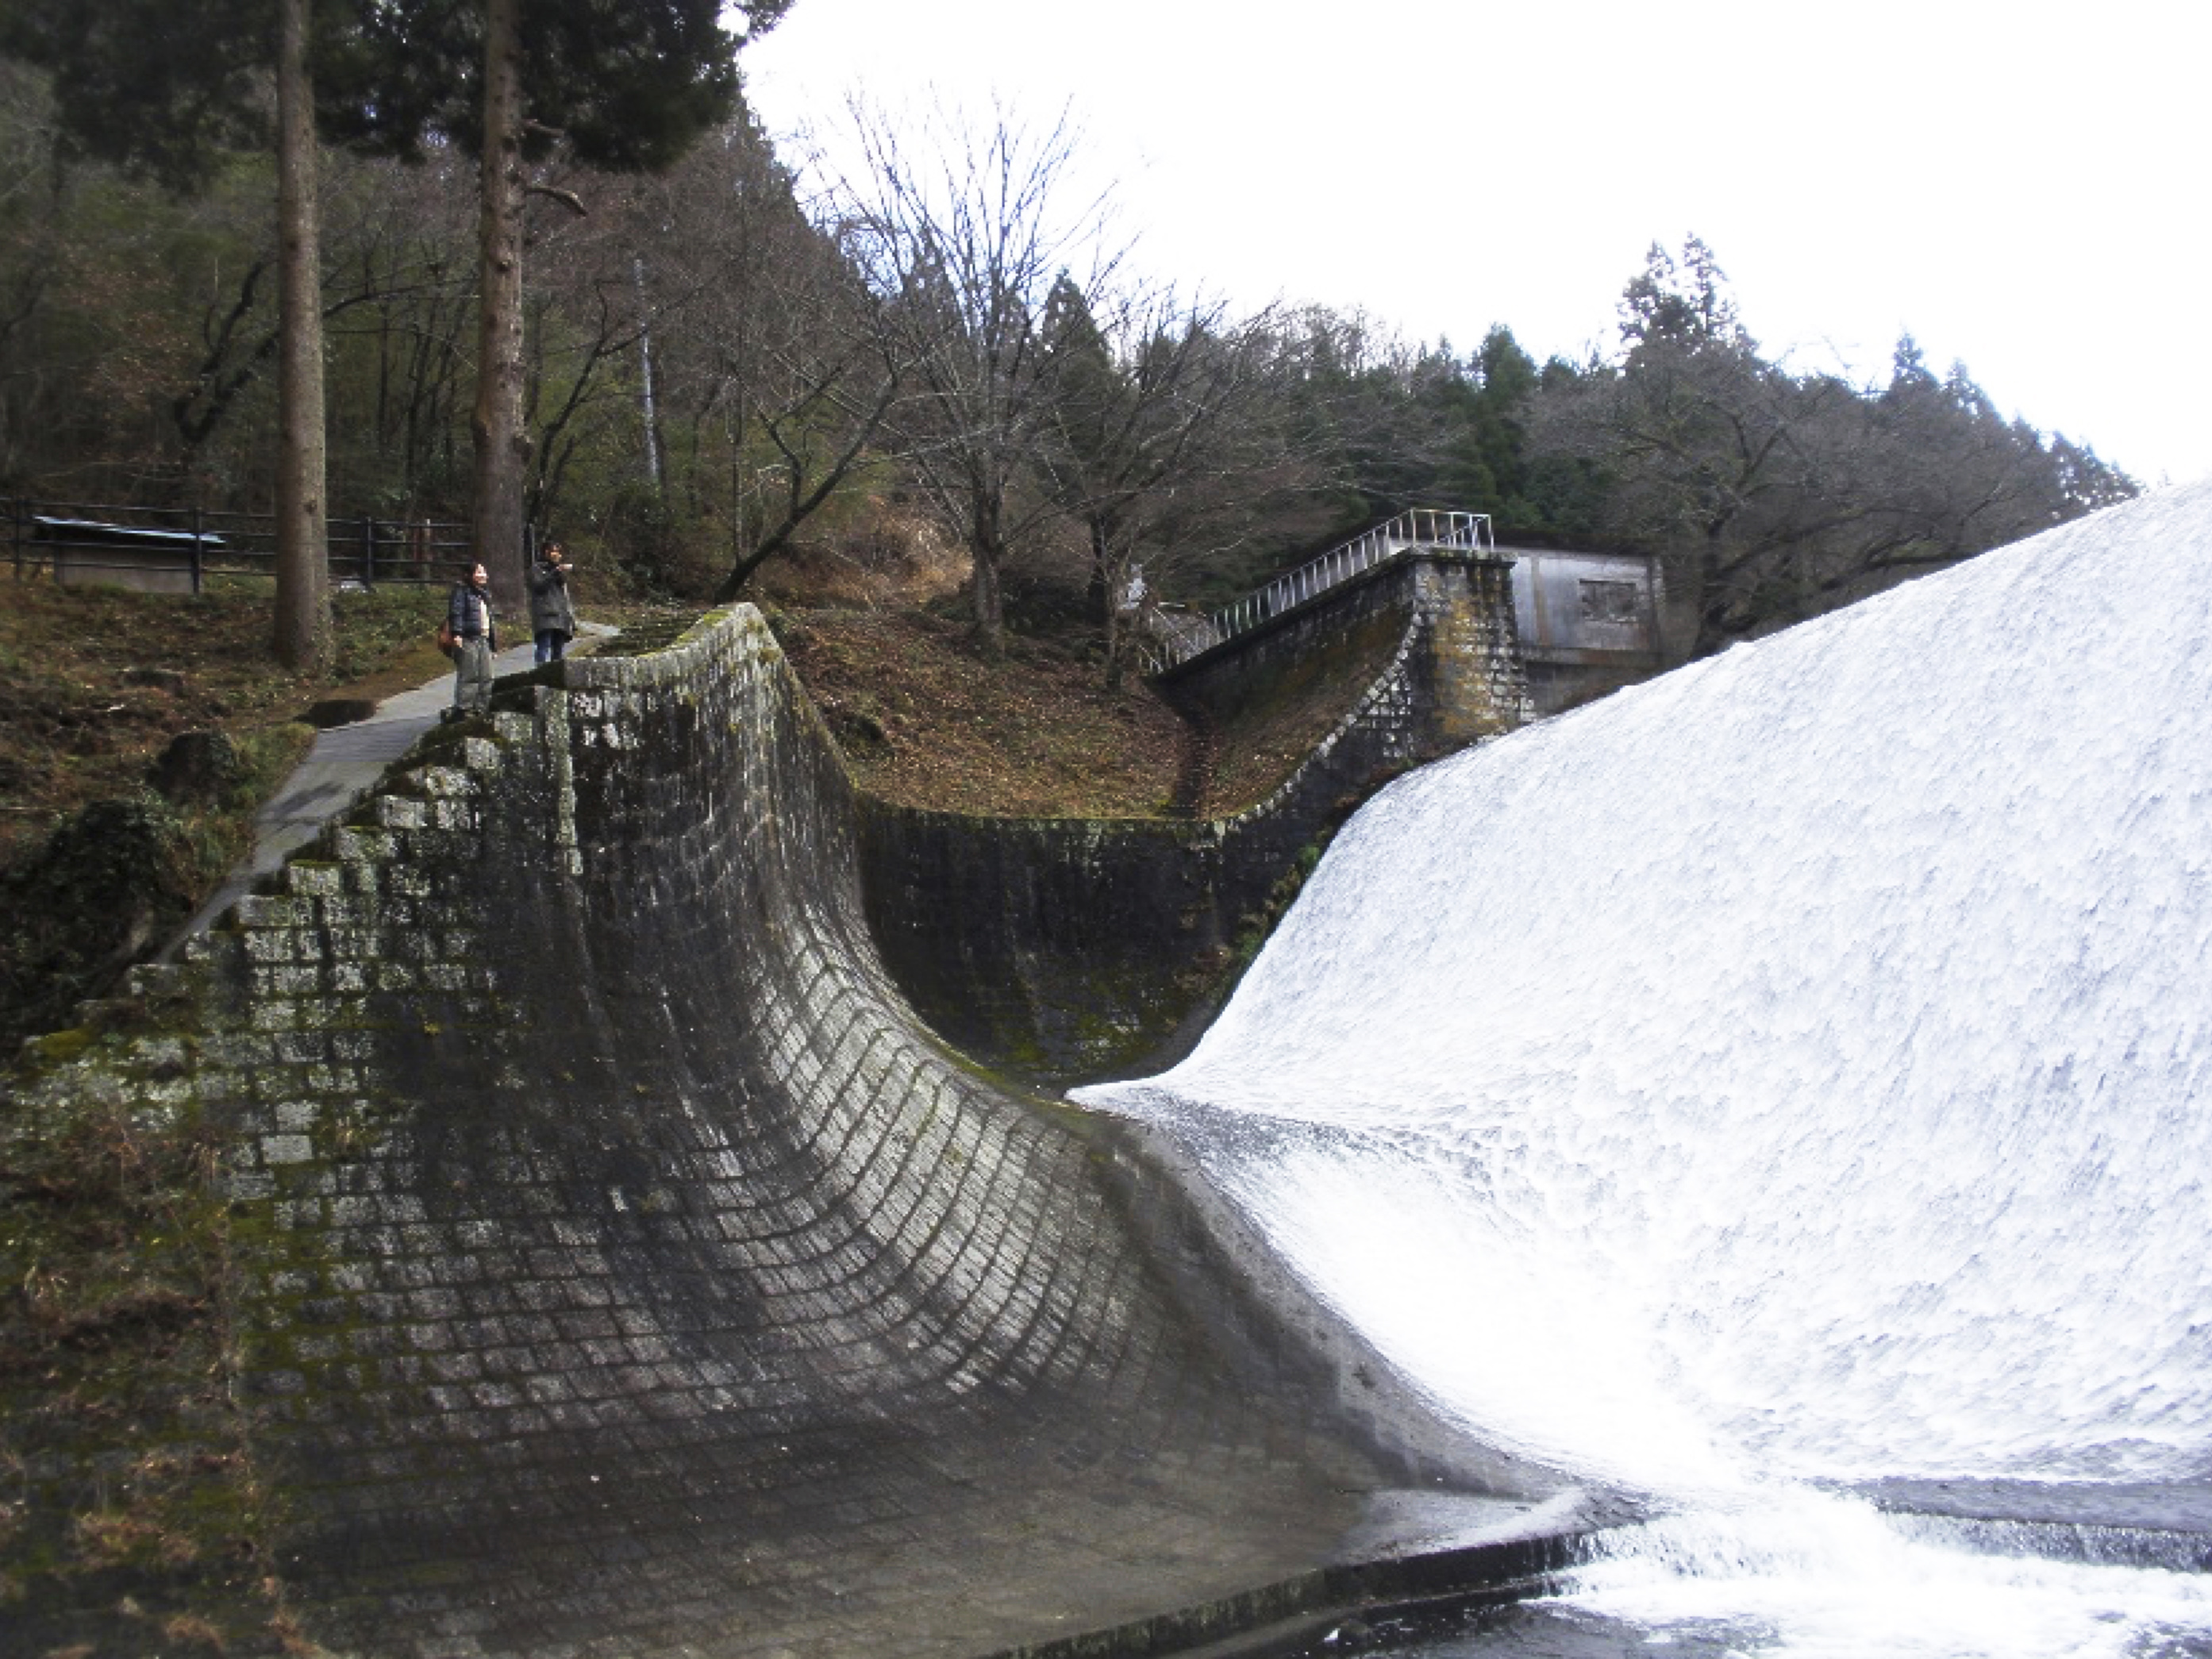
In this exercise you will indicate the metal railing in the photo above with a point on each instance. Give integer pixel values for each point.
(179, 549)
(1177, 636)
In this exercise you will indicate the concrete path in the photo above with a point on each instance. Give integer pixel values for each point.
(342, 767)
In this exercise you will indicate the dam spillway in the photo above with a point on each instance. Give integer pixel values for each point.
(1787, 1070)
(1788, 1078)
(618, 1266)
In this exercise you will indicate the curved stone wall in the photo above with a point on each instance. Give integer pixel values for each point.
(1068, 951)
(624, 1269)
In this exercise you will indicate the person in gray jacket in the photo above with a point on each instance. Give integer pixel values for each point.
(476, 636)
(552, 617)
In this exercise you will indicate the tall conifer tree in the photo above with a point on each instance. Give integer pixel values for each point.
(168, 90)
(626, 87)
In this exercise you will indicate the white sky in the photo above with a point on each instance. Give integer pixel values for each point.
(2023, 186)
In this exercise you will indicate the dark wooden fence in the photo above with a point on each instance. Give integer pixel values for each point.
(178, 550)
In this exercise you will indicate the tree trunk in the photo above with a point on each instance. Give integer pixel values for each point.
(1711, 597)
(1117, 647)
(502, 446)
(651, 410)
(302, 630)
(987, 549)
(1099, 591)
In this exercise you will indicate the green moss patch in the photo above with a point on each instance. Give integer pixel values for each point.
(130, 1517)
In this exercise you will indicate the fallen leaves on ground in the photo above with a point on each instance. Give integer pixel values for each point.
(925, 719)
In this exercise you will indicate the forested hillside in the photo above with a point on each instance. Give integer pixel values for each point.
(732, 367)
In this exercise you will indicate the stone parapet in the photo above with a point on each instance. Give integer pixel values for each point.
(1067, 951)
(1458, 656)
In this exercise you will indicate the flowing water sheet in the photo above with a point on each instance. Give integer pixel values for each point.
(1797, 1069)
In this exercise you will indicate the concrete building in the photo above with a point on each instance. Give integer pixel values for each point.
(1589, 622)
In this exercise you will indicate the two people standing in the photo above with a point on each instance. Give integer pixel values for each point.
(552, 619)
(476, 635)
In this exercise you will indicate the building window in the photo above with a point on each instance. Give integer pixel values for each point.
(1608, 602)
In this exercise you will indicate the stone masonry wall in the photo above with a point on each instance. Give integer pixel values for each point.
(1065, 951)
(621, 1269)
(1461, 658)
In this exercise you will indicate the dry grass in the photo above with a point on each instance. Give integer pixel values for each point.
(145, 1524)
(95, 869)
(926, 721)
(95, 681)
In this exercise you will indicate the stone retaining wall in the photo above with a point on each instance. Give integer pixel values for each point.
(623, 1269)
(1065, 951)
(1459, 676)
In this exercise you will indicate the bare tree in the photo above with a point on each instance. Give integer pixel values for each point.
(701, 359)
(779, 355)
(960, 238)
(1169, 438)
(821, 383)
(401, 238)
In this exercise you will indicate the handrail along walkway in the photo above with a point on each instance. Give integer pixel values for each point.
(1421, 530)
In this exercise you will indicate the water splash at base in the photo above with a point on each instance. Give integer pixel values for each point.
(1797, 1069)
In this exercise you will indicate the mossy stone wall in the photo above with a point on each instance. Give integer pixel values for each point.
(1069, 951)
(618, 1266)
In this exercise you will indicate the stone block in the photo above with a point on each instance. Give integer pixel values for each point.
(352, 845)
(288, 980)
(307, 879)
(441, 783)
(271, 910)
(287, 1149)
(278, 945)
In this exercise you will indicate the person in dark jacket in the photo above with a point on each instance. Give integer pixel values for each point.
(552, 617)
(475, 638)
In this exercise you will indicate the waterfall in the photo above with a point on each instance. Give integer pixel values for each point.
(1796, 1070)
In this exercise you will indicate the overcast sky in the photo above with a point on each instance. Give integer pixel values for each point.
(2022, 185)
